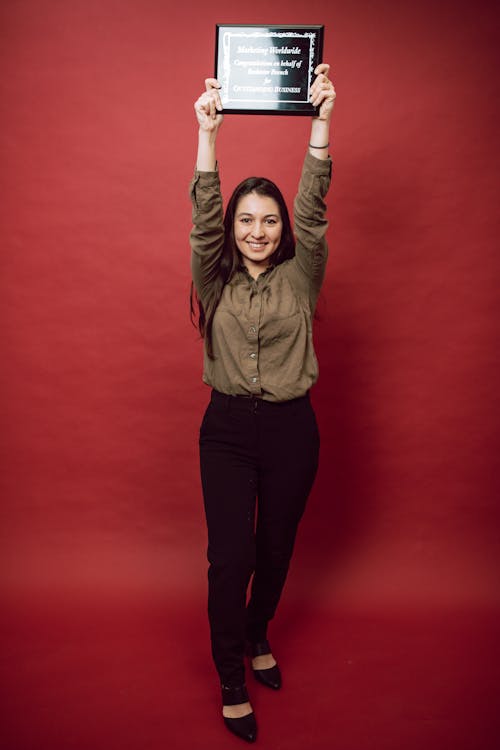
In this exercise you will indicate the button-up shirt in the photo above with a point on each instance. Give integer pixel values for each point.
(262, 329)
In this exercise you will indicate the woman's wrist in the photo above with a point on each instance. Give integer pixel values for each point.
(207, 137)
(206, 160)
(319, 141)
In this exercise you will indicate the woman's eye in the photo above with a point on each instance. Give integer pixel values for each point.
(245, 220)
(271, 221)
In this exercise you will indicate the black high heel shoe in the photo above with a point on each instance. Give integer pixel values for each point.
(270, 677)
(244, 727)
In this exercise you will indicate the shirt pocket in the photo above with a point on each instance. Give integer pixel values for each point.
(282, 332)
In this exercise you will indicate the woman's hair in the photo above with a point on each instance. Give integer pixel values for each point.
(230, 259)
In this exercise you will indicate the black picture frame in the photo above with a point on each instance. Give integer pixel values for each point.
(267, 70)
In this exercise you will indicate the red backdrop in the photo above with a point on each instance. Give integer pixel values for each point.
(101, 392)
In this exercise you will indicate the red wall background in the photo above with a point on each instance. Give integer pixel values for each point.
(101, 392)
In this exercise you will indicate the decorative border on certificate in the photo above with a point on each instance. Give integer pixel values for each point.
(267, 69)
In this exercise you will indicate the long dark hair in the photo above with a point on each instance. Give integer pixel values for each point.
(230, 259)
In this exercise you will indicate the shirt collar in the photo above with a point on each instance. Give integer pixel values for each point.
(242, 267)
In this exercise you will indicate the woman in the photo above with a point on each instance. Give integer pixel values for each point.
(256, 288)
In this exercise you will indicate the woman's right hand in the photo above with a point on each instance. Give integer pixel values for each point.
(209, 106)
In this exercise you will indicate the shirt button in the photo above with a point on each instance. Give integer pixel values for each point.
(252, 329)
(253, 355)
(254, 380)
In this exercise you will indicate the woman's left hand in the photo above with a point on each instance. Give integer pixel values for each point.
(323, 92)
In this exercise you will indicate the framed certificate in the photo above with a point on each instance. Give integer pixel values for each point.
(267, 70)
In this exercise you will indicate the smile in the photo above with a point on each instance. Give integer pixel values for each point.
(257, 245)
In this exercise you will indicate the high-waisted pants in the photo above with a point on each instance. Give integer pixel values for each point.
(258, 462)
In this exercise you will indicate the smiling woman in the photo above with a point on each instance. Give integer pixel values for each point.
(256, 287)
(257, 231)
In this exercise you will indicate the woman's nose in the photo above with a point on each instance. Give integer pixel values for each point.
(258, 230)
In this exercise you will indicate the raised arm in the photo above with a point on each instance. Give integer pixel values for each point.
(207, 233)
(310, 224)
(322, 96)
(208, 108)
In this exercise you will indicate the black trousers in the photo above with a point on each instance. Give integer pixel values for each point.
(258, 463)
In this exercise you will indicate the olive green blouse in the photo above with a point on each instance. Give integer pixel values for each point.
(262, 329)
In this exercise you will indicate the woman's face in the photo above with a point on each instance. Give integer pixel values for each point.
(257, 230)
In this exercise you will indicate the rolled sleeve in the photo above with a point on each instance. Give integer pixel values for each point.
(310, 220)
(207, 233)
